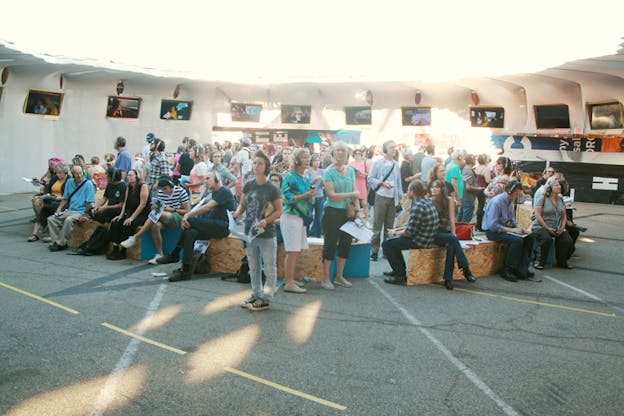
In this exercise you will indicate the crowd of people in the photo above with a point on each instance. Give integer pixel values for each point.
(283, 194)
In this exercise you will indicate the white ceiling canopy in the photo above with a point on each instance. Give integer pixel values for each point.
(273, 41)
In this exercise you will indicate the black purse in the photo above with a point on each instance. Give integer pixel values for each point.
(50, 203)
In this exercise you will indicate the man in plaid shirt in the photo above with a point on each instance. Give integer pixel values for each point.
(419, 233)
(158, 166)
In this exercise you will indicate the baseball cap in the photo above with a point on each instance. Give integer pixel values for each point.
(149, 137)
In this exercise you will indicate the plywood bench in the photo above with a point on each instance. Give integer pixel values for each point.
(427, 265)
(225, 255)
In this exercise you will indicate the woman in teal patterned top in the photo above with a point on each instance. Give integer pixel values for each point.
(296, 197)
(339, 183)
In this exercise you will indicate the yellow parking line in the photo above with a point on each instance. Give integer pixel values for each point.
(141, 338)
(39, 298)
(549, 305)
(285, 389)
(9, 208)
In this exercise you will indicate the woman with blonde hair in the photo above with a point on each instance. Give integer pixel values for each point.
(297, 196)
(550, 223)
(339, 183)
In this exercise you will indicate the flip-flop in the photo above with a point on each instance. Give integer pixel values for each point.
(32, 238)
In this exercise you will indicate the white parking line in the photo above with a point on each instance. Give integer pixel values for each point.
(583, 292)
(107, 394)
(507, 409)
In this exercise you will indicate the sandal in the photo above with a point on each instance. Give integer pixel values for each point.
(33, 237)
(538, 266)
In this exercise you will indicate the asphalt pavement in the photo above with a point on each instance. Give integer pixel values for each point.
(84, 335)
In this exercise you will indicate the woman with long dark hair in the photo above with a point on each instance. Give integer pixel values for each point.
(133, 214)
(446, 235)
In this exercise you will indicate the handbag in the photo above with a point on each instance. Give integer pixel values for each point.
(50, 203)
(370, 198)
(463, 230)
(351, 211)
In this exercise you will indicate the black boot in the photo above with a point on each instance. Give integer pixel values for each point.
(448, 284)
(181, 274)
(113, 254)
(172, 257)
(468, 274)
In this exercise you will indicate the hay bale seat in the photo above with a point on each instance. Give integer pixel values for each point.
(427, 265)
(83, 230)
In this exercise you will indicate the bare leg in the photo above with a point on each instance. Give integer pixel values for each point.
(289, 267)
(326, 269)
(157, 237)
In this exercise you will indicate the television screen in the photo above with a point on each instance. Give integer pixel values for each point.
(493, 117)
(416, 116)
(43, 102)
(245, 112)
(123, 107)
(358, 115)
(605, 115)
(175, 110)
(552, 116)
(296, 114)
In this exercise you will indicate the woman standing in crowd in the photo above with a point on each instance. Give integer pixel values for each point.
(550, 222)
(315, 174)
(198, 172)
(483, 177)
(502, 175)
(98, 173)
(297, 195)
(438, 173)
(134, 212)
(361, 168)
(47, 204)
(339, 183)
(229, 180)
(446, 234)
(262, 205)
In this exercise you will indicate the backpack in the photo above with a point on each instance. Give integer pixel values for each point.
(98, 242)
(242, 275)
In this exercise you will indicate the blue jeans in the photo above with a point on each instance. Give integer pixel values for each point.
(518, 251)
(466, 211)
(392, 248)
(453, 251)
(316, 228)
(262, 251)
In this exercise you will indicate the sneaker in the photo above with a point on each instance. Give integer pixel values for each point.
(294, 289)
(342, 282)
(258, 305)
(300, 283)
(327, 284)
(129, 242)
(374, 257)
(154, 259)
(248, 301)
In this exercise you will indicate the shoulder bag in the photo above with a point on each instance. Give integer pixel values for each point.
(372, 192)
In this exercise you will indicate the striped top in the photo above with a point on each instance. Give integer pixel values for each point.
(176, 200)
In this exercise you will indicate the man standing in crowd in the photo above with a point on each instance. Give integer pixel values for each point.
(79, 195)
(417, 163)
(427, 163)
(454, 174)
(385, 180)
(159, 165)
(419, 233)
(145, 152)
(470, 191)
(123, 162)
(185, 163)
(206, 221)
(500, 224)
